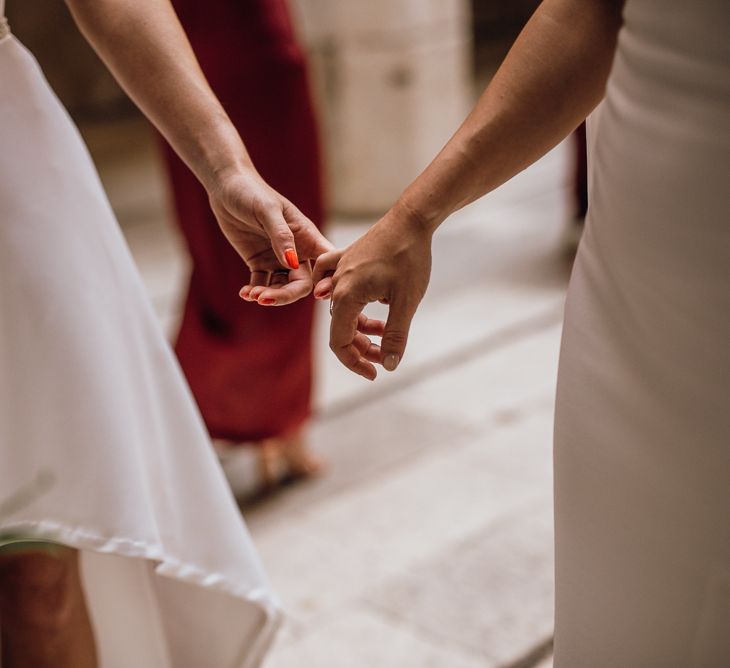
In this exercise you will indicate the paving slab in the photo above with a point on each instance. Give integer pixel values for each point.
(499, 385)
(359, 447)
(361, 639)
(338, 551)
(492, 594)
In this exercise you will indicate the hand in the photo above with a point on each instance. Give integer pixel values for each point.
(270, 234)
(391, 263)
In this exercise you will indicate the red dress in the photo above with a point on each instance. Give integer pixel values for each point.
(249, 367)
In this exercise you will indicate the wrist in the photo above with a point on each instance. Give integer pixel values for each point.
(220, 154)
(223, 171)
(417, 217)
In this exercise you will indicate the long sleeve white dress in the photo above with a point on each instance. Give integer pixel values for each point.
(96, 422)
(642, 447)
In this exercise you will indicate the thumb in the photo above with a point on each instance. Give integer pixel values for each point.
(311, 242)
(281, 237)
(395, 336)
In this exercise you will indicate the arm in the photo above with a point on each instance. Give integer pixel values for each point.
(553, 76)
(144, 46)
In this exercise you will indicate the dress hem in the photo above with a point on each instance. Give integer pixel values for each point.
(166, 566)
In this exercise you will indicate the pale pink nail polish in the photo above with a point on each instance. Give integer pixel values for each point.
(391, 362)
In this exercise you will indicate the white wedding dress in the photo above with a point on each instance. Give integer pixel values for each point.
(642, 435)
(101, 446)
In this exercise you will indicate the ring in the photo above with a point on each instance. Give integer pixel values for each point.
(280, 271)
(332, 306)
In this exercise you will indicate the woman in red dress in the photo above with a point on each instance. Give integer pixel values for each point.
(250, 55)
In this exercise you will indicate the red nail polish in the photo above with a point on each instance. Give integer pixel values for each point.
(267, 302)
(291, 258)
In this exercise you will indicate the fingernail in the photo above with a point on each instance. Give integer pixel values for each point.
(322, 295)
(267, 302)
(243, 293)
(291, 258)
(390, 363)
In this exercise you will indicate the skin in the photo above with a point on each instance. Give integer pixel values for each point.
(552, 78)
(144, 46)
(45, 622)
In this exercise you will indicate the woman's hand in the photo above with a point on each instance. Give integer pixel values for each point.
(144, 46)
(391, 263)
(272, 236)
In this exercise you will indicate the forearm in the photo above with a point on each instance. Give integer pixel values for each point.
(144, 46)
(552, 78)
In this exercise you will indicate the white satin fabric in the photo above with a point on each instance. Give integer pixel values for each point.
(93, 404)
(642, 452)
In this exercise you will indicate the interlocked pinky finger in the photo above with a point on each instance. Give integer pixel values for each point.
(323, 289)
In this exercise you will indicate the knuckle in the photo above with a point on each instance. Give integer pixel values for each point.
(328, 260)
(340, 292)
(270, 205)
(267, 210)
(282, 233)
(259, 202)
(351, 275)
(348, 284)
(395, 337)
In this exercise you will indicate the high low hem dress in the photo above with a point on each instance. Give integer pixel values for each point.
(101, 446)
(642, 433)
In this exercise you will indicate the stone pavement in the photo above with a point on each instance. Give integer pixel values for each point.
(429, 542)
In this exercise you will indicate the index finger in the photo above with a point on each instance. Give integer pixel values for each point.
(343, 331)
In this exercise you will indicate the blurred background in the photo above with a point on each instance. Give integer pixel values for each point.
(428, 540)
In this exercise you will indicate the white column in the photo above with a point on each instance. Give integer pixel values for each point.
(394, 82)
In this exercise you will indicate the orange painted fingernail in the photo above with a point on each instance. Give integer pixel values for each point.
(291, 258)
(267, 302)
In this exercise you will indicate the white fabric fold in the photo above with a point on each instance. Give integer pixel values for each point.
(91, 397)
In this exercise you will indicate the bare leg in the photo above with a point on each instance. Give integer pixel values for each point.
(287, 456)
(300, 459)
(43, 616)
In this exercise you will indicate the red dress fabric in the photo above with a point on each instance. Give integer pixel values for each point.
(249, 367)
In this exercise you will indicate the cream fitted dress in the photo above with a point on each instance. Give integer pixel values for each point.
(642, 453)
(98, 432)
